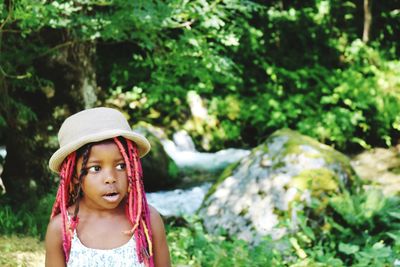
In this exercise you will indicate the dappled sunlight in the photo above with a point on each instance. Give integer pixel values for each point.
(21, 252)
(274, 126)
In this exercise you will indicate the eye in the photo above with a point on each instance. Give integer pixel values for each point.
(121, 166)
(95, 168)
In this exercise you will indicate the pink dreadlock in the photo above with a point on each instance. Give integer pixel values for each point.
(136, 209)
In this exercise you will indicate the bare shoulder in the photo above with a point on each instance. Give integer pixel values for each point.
(160, 246)
(53, 243)
(54, 228)
(155, 218)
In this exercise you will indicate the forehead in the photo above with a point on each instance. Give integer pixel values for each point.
(104, 148)
(82, 149)
(104, 152)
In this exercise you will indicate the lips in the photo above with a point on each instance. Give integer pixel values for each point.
(111, 196)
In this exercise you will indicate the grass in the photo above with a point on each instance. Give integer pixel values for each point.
(21, 251)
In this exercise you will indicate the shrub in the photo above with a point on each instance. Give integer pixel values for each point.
(26, 221)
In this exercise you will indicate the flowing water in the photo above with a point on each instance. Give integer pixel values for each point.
(186, 201)
(178, 202)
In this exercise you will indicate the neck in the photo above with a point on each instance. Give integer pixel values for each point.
(87, 209)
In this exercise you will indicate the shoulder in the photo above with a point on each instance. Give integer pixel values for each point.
(157, 224)
(54, 228)
(155, 218)
(53, 243)
(160, 246)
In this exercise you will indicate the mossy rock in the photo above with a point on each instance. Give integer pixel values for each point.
(287, 170)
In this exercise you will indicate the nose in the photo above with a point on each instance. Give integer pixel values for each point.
(110, 178)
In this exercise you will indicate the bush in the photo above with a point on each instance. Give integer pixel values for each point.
(192, 246)
(357, 230)
(26, 221)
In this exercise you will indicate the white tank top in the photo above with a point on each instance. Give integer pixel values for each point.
(123, 256)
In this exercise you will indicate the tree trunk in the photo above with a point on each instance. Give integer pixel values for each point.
(367, 20)
(72, 71)
(26, 176)
(84, 85)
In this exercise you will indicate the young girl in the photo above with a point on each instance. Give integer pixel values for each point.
(100, 216)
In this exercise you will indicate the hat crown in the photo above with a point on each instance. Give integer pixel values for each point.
(89, 122)
(94, 125)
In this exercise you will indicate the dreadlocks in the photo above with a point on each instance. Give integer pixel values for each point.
(136, 209)
(62, 200)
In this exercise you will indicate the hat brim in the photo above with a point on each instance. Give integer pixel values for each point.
(58, 157)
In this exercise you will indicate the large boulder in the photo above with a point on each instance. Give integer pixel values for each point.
(278, 179)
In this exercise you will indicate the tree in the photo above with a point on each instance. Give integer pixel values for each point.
(58, 78)
(367, 20)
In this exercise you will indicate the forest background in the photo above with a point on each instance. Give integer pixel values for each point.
(328, 69)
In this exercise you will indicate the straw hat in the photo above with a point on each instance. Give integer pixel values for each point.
(93, 125)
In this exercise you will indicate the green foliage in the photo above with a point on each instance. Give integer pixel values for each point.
(9, 221)
(258, 66)
(363, 230)
(187, 51)
(359, 209)
(192, 246)
(25, 220)
(362, 107)
(345, 107)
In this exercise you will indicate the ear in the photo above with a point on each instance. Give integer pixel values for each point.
(75, 179)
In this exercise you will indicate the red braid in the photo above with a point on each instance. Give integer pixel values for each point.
(62, 200)
(137, 209)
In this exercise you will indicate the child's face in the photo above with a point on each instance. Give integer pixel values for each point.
(106, 182)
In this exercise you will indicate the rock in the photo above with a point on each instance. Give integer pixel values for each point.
(380, 168)
(278, 179)
(159, 170)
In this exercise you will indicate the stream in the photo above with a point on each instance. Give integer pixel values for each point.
(180, 202)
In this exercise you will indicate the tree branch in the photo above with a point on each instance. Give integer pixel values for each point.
(8, 15)
(367, 20)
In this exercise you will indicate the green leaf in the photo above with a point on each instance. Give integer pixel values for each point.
(348, 249)
(394, 214)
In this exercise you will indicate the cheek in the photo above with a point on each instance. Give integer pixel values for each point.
(89, 182)
(123, 180)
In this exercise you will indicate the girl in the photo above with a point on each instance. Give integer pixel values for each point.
(100, 216)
